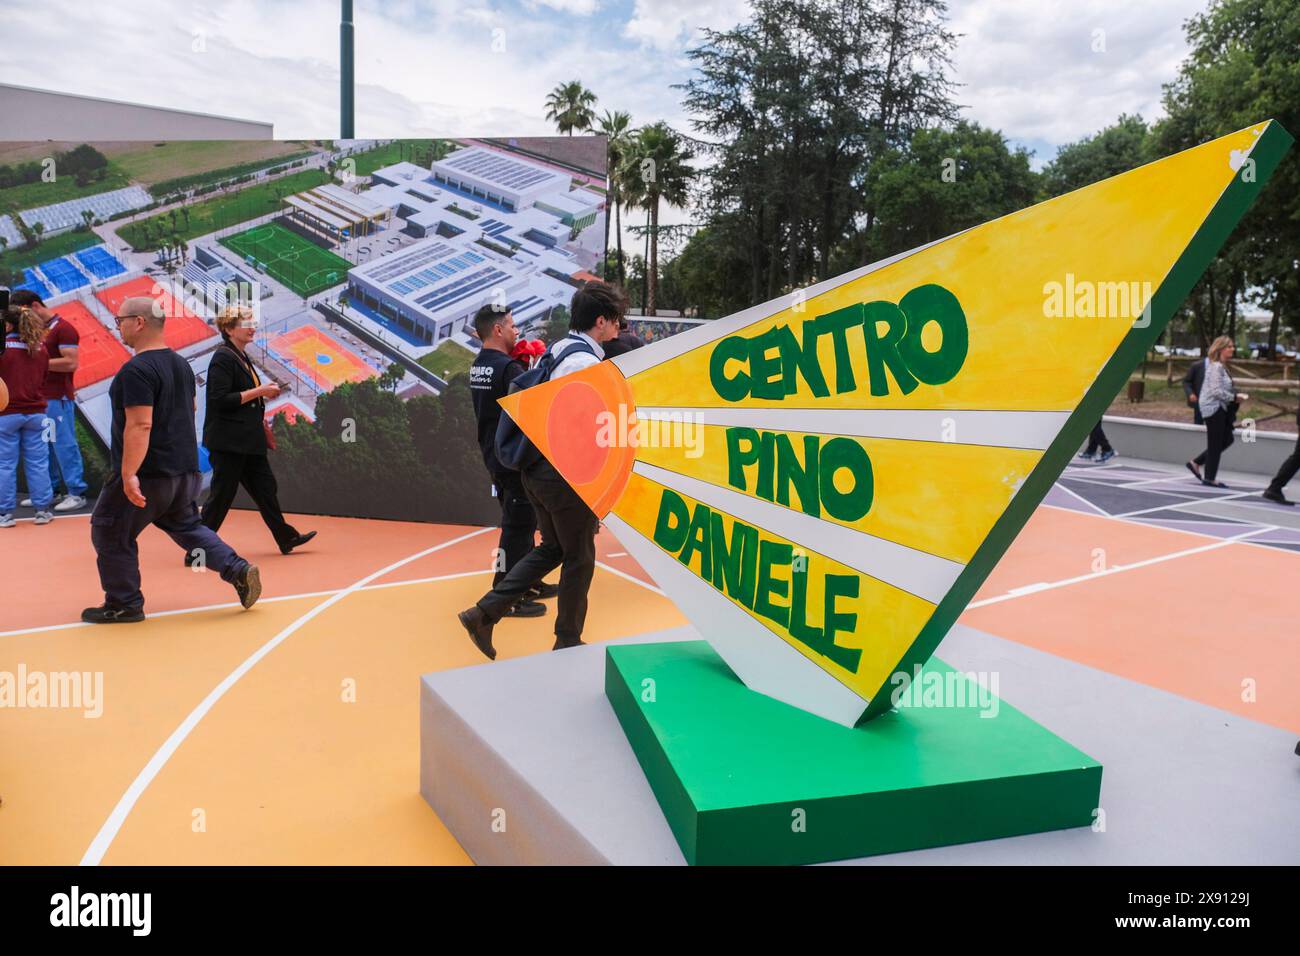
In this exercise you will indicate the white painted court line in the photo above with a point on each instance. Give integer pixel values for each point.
(108, 832)
(1192, 514)
(631, 577)
(1190, 501)
(1117, 569)
(234, 604)
(1075, 494)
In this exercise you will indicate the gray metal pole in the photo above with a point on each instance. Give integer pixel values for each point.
(347, 84)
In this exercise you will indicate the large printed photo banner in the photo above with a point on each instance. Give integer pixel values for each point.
(364, 262)
(822, 482)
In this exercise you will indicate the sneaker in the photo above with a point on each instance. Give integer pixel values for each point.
(249, 585)
(71, 503)
(297, 542)
(1085, 455)
(27, 502)
(480, 631)
(1107, 455)
(7, 521)
(43, 517)
(542, 591)
(111, 614)
(1277, 496)
(527, 608)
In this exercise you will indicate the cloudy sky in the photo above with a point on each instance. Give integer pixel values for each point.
(1043, 72)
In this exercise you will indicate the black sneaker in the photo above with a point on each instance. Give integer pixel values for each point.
(112, 614)
(297, 542)
(1276, 496)
(480, 631)
(540, 592)
(561, 643)
(249, 585)
(527, 608)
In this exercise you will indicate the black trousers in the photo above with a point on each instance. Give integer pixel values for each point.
(1287, 471)
(518, 522)
(1218, 436)
(1227, 442)
(568, 530)
(171, 504)
(1097, 439)
(232, 469)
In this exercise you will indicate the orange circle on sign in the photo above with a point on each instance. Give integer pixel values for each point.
(572, 431)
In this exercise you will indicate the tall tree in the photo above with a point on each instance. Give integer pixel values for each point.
(793, 106)
(945, 181)
(656, 168)
(1114, 150)
(617, 129)
(570, 106)
(1242, 68)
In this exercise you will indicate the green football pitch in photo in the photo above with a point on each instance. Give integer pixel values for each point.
(299, 263)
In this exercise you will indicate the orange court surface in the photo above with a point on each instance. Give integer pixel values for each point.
(101, 354)
(326, 362)
(183, 327)
(288, 734)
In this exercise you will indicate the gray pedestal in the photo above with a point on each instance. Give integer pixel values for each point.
(525, 763)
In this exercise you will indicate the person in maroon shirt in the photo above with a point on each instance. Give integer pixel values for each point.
(23, 364)
(62, 342)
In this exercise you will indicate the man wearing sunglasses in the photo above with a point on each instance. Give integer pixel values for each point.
(154, 477)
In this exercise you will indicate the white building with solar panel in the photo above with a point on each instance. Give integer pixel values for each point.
(430, 290)
(493, 228)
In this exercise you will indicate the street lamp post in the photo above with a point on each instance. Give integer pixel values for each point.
(347, 88)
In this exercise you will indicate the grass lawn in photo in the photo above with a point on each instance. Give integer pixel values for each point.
(448, 359)
(287, 257)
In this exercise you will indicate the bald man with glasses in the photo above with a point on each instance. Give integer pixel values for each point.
(154, 478)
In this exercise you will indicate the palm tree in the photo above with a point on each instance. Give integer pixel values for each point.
(655, 168)
(38, 228)
(616, 126)
(569, 107)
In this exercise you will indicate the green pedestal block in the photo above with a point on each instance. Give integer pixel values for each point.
(745, 779)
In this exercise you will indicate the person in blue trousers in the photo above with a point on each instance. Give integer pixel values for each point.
(23, 425)
(62, 343)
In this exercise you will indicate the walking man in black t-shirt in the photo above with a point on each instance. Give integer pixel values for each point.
(489, 379)
(155, 472)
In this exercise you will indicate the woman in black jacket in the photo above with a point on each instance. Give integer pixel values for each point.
(234, 431)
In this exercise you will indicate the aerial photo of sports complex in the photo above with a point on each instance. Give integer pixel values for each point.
(363, 259)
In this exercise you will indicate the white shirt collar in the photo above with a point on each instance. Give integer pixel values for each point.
(600, 352)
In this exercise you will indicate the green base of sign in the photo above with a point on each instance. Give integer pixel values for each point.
(745, 779)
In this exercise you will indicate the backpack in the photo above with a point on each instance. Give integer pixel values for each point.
(514, 449)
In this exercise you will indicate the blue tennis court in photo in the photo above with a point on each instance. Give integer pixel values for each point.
(99, 262)
(32, 282)
(64, 274)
